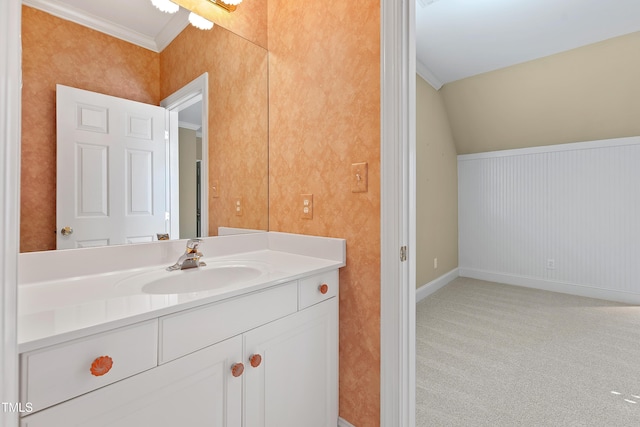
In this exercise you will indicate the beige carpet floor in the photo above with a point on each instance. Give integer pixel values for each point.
(497, 355)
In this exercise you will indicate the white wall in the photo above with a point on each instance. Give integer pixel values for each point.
(575, 204)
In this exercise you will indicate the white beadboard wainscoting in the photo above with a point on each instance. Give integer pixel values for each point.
(564, 218)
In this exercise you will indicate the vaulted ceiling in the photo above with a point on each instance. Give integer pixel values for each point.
(456, 39)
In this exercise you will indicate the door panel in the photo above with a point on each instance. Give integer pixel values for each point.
(139, 184)
(92, 167)
(297, 382)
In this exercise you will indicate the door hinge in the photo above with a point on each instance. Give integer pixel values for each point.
(403, 253)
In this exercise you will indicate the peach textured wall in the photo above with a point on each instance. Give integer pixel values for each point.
(324, 114)
(55, 51)
(249, 20)
(238, 118)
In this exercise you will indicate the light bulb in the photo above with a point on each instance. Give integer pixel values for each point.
(166, 5)
(199, 22)
(232, 2)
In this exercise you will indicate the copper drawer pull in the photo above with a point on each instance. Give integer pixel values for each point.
(101, 366)
(255, 360)
(324, 288)
(237, 369)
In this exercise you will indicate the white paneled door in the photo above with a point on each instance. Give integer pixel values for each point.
(111, 162)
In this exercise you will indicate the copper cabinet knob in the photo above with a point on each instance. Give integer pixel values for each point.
(255, 360)
(237, 369)
(324, 288)
(101, 366)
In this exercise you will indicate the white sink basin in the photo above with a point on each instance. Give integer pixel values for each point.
(201, 279)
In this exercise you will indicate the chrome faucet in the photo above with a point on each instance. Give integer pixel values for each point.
(190, 258)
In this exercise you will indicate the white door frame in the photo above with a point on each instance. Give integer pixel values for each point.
(10, 92)
(177, 101)
(398, 208)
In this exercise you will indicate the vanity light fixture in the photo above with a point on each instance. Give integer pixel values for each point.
(166, 5)
(200, 22)
(228, 5)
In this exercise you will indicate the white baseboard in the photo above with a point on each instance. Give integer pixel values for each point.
(551, 285)
(425, 290)
(343, 423)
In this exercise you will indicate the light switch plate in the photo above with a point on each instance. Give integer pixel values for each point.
(359, 177)
(214, 188)
(306, 204)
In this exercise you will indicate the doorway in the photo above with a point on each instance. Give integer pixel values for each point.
(188, 159)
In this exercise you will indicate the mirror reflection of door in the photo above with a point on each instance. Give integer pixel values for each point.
(111, 172)
(120, 180)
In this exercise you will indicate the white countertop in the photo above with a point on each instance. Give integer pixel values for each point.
(65, 308)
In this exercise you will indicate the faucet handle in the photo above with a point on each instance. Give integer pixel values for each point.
(192, 245)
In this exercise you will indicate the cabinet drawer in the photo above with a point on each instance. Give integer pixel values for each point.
(60, 372)
(311, 289)
(196, 390)
(188, 331)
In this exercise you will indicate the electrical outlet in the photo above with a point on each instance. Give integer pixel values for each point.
(237, 203)
(306, 203)
(359, 177)
(551, 264)
(214, 188)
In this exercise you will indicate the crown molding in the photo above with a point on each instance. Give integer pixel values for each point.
(69, 13)
(429, 77)
(187, 125)
(173, 28)
(191, 126)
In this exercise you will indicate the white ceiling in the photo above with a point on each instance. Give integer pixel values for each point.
(191, 117)
(462, 38)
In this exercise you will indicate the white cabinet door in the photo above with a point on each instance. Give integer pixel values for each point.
(111, 169)
(195, 390)
(296, 383)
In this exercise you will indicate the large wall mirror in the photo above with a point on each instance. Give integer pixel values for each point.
(59, 51)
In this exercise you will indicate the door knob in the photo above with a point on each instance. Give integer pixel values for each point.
(66, 231)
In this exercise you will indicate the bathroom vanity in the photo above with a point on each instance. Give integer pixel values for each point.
(254, 343)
